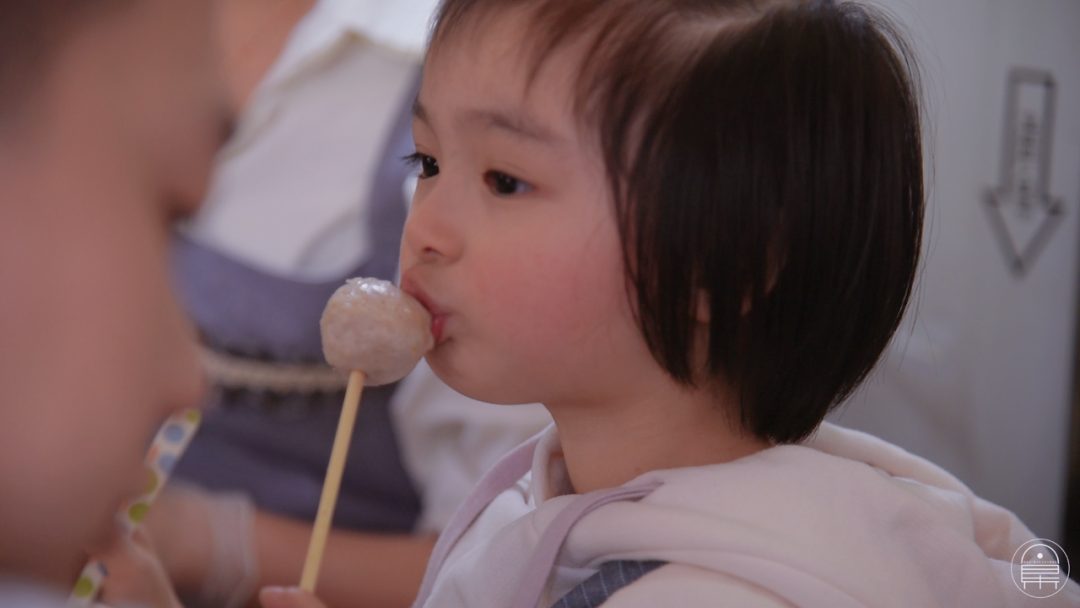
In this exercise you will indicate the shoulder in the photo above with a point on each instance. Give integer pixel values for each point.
(691, 587)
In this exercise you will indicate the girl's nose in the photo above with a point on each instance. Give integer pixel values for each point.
(433, 231)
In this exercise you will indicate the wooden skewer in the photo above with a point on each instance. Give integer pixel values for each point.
(333, 482)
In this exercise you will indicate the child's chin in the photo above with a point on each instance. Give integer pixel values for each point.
(473, 378)
(496, 395)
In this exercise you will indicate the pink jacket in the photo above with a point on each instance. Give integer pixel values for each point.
(844, 520)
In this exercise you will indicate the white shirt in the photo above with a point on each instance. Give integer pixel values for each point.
(289, 198)
(289, 192)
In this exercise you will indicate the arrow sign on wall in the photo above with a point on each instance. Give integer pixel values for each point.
(1022, 211)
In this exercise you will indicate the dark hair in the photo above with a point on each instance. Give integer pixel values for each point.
(31, 32)
(766, 161)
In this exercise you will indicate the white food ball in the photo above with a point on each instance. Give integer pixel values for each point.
(372, 326)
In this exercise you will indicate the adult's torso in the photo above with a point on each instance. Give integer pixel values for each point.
(307, 155)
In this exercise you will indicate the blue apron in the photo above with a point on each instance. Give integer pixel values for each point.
(275, 446)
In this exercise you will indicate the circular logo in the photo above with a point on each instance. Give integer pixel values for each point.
(1040, 568)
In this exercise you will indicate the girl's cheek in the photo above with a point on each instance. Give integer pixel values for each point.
(545, 295)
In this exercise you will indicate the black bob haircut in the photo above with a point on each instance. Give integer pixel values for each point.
(765, 160)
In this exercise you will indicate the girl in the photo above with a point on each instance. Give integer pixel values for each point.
(688, 228)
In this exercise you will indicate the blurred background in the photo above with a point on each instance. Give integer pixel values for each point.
(981, 377)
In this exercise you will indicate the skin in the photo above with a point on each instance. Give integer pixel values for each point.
(136, 576)
(94, 352)
(288, 597)
(359, 569)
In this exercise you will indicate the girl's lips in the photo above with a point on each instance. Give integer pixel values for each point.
(438, 317)
(437, 323)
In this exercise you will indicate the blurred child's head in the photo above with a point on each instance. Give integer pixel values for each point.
(110, 114)
(733, 189)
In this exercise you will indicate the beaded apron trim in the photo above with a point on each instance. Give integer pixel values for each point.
(231, 372)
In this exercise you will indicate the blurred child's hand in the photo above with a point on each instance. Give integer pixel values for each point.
(206, 543)
(288, 597)
(179, 527)
(136, 576)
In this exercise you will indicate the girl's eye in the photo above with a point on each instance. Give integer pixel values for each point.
(503, 184)
(429, 167)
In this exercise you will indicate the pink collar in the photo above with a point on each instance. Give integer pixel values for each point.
(506, 472)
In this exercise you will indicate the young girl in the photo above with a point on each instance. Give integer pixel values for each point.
(688, 228)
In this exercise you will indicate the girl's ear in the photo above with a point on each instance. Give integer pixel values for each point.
(701, 308)
(701, 311)
(772, 273)
(774, 264)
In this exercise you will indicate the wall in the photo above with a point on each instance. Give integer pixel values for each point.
(979, 377)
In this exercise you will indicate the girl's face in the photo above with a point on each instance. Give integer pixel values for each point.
(94, 351)
(512, 242)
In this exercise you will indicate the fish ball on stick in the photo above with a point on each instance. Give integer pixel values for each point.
(378, 333)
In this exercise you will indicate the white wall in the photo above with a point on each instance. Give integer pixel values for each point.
(979, 379)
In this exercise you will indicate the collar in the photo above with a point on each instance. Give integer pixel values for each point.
(550, 477)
